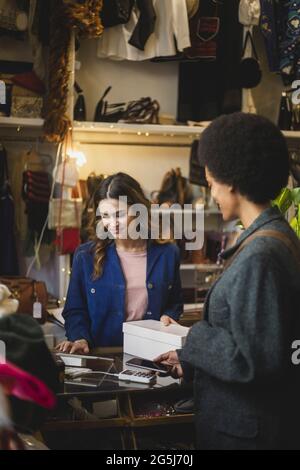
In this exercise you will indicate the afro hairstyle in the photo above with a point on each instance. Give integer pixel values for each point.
(248, 152)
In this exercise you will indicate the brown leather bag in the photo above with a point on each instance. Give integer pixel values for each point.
(27, 291)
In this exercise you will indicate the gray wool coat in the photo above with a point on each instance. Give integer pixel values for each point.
(246, 389)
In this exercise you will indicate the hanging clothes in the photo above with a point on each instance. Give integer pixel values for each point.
(34, 33)
(36, 194)
(289, 36)
(8, 250)
(171, 22)
(269, 27)
(204, 29)
(145, 25)
(208, 88)
(249, 12)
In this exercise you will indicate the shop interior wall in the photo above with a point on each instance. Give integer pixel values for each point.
(130, 80)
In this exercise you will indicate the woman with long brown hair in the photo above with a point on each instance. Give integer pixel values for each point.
(121, 274)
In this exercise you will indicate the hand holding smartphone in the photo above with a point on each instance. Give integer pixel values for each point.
(149, 365)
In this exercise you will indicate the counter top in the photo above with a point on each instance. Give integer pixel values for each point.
(109, 384)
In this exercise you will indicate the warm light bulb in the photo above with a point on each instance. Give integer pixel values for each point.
(79, 157)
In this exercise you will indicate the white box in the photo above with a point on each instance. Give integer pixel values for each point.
(150, 338)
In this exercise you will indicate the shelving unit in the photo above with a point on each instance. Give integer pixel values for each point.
(20, 129)
(121, 133)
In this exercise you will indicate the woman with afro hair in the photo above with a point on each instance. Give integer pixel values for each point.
(243, 356)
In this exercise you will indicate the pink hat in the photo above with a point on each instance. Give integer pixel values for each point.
(25, 386)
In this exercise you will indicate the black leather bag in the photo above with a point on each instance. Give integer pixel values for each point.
(197, 171)
(250, 73)
(116, 12)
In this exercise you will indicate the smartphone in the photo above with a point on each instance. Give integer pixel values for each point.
(150, 365)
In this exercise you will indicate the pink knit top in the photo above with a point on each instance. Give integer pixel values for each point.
(134, 266)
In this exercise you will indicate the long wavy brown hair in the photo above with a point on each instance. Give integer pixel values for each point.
(113, 187)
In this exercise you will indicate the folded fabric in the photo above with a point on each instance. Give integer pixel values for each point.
(25, 386)
(4, 292)
(36, 186)
(7, 304)
(30, 81)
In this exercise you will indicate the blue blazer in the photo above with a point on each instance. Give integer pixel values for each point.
(95, 309)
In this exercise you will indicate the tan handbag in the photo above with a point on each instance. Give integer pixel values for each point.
(65, 213)
(27, 291)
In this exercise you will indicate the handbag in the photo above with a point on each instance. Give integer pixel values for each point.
(142, 111)
(250, 73)
(116, 12)
(65, 213)
(79, 112)
(67, 240)
(27, 291)
(197, 171)
(109, 112)
(174, 189)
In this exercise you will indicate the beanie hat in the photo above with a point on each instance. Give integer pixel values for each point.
(26, 348)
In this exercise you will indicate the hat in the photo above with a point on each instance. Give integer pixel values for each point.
(7, 304)
(25, 386)
(192, 7)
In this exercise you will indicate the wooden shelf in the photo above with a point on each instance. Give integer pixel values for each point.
(134, 134)
(23, 129)
(162, 420)
(143, 134)
(84, 425)
(20, 122)
(121, 134)
(294, 135)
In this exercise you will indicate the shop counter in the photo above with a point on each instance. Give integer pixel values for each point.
(124, 415)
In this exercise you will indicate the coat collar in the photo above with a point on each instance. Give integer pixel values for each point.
(267, 216)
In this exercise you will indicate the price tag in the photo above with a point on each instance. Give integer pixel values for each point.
(2, 92)
(37, 310)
